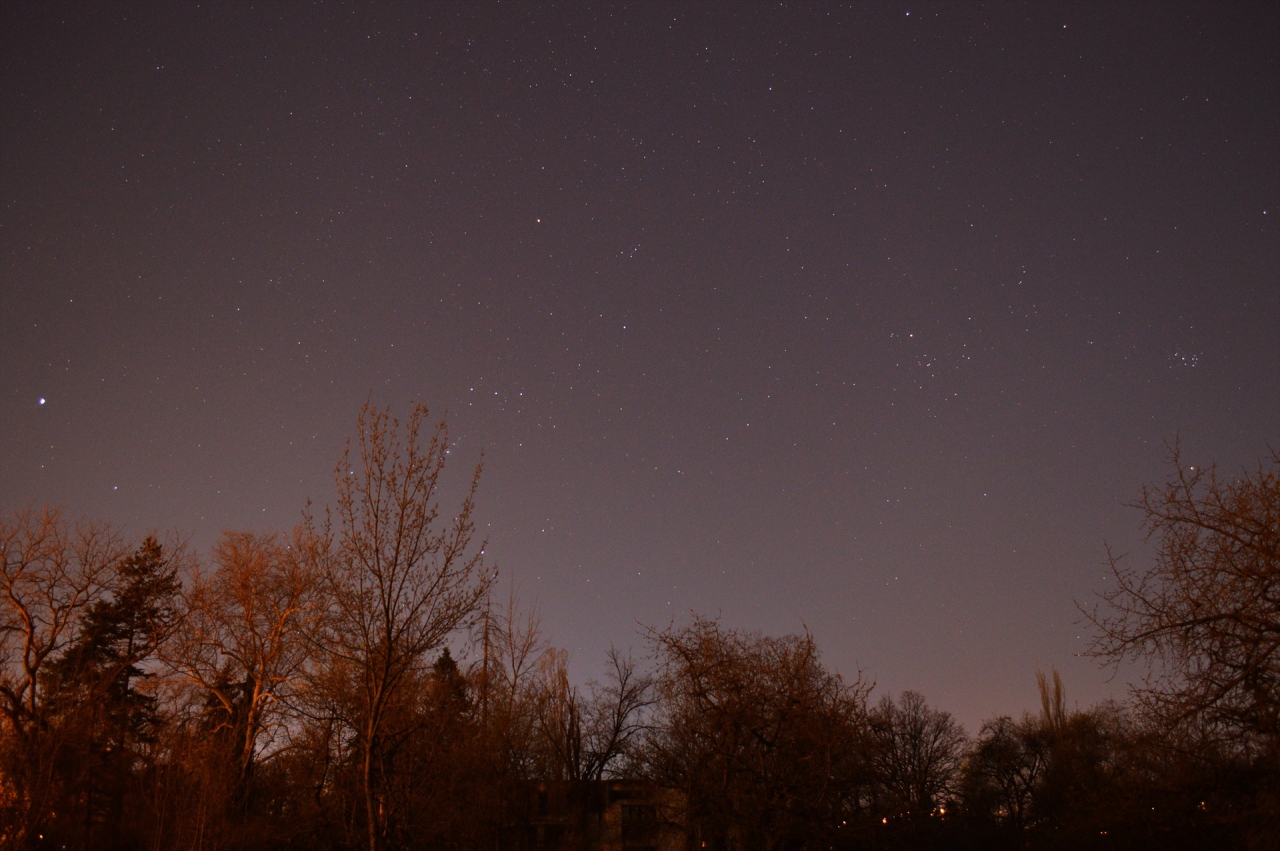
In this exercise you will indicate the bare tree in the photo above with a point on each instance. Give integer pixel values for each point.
(1061, 773)
(1205, 616)
(1006, 769)
(758, 735)
(1053, 701)
(50, 580)
(512, 647)
(588, 737)
(399, 581)
(618, 716)
(509, 683)
(52, 576)
(248, 637)
(917, 753)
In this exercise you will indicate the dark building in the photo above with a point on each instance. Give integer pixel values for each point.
(604, 815)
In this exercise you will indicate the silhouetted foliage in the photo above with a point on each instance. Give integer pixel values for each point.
(352, 686)
(398, 582)
(916, 753)
(1204, 618)
(761, 739)
(96, 690)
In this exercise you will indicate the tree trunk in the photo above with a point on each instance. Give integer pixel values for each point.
(370, 805)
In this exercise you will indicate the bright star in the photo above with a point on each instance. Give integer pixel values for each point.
(41, 400)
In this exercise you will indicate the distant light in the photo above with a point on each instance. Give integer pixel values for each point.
(41, 400)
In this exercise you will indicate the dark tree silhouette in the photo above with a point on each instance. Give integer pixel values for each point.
(1206, 615)
(916, 752)
(399, 581)
(247, 641)
(762, 740)
(94, 689)
(52, 577)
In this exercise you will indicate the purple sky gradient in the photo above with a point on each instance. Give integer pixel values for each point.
(863, 319)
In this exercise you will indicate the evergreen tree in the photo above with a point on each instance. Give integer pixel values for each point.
(97, 695)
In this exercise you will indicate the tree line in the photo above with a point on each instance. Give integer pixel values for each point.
(300, 691)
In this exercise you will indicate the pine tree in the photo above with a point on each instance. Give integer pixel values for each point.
(97, 694)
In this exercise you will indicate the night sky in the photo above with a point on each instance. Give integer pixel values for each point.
(867, 319)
